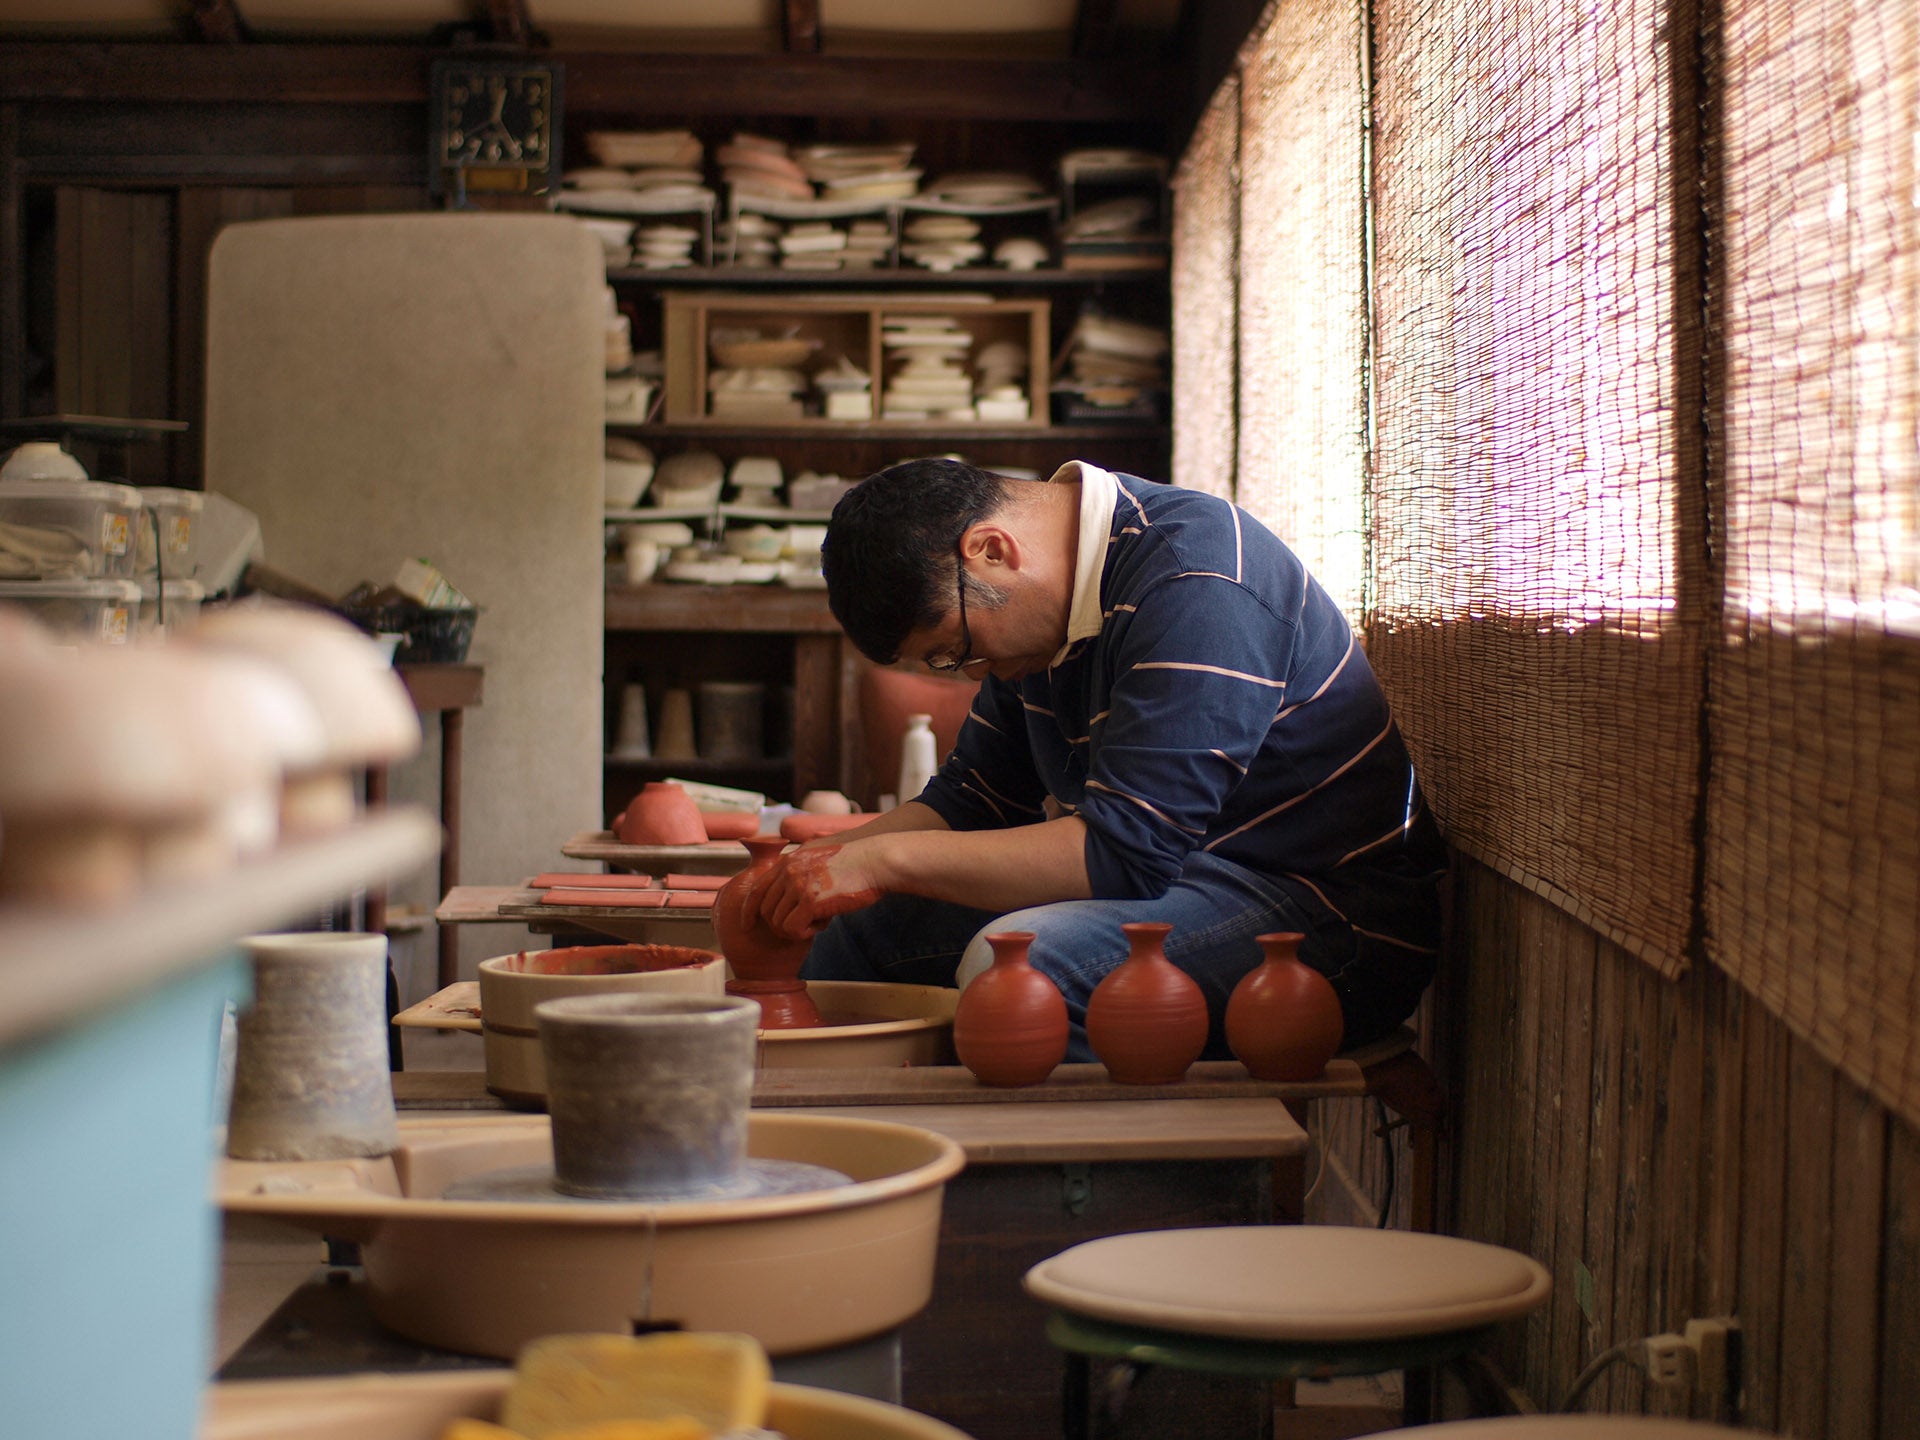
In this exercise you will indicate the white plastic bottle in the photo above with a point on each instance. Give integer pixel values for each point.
(917, 759)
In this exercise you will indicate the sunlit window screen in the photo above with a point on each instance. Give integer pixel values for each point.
(1823, 328)
(1205, 234)
(1539, 379)
(1301, 286)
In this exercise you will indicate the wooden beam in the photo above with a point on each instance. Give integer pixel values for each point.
(219, 22)
(682, 86)
(1094, 24)
(802, 23)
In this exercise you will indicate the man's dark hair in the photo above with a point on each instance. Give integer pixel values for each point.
(890, 552)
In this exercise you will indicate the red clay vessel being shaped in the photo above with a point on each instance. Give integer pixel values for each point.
(766, 964)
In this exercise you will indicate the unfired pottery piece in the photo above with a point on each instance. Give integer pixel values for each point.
(312, 1079)
(1010, 1026)
(648, 1093)
(661, 814)
(1283, 1019)
(1147, 1021)
(512, 985)
(766, 964)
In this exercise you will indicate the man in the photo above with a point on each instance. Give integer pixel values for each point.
(1174, 724)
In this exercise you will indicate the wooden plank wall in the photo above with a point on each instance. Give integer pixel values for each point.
(1677, 1144)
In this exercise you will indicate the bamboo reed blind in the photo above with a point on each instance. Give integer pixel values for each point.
(1813, 819)
(1528, 616)
(1302, 282)
(1206, 229)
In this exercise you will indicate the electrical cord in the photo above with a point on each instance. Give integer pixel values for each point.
(1386, 1153)
(1627, 1351)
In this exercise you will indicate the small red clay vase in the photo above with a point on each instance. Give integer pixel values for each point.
(1010, 1026)
(765, 963)
(1283, 1018)
(1147, 1021)
(661, 814)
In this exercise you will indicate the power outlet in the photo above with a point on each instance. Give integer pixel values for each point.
(1716, 1347)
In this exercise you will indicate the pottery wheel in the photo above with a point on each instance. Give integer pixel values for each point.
(523, 1184)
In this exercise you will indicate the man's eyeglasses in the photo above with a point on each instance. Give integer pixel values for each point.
(950, 664)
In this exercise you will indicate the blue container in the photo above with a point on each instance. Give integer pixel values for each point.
(108, 1238)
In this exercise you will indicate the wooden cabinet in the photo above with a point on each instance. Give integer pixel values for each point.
(667, 637)
(866, 330)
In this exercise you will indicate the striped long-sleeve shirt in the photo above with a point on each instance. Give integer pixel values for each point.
(1219, 703)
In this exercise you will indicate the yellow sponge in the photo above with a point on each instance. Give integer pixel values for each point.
(565, 1382)
(681, 1427)
(464, 1429)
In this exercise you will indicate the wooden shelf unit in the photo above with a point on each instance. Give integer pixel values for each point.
(846, 325)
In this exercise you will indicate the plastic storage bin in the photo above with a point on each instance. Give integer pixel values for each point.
(68, 530)
(104, 610)
(174, 604)
(170, 532)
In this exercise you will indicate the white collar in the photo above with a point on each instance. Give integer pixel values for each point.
(1098, 493)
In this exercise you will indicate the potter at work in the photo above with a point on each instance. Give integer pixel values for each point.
(1175, 725)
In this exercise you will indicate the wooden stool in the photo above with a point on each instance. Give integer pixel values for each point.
(1582, 1427)
(1272, 1302)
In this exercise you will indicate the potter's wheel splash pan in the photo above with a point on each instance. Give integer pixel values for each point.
(799, 1272)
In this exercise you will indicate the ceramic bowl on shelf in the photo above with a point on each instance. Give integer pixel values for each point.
(762, 354)
(755, 542)
(40, 460)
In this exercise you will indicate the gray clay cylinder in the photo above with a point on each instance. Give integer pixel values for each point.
(648, 1093)
(311, 1077)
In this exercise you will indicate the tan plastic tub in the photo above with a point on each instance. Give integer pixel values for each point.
(798, 1272)
(511, 985)
(419, 1407)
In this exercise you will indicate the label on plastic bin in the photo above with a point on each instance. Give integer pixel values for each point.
(113, 624)
(177, 534)
(115, 533)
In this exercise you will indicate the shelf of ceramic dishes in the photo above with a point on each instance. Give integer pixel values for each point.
(615, 215)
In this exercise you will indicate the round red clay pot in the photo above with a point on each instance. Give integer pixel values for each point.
(1283, 1018)
(661, 814)
(1147, 1021)
(1010, 1026)
(766, 964)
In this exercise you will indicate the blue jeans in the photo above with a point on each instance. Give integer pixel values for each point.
(1216, 909)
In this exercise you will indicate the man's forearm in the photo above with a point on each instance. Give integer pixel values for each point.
(990, 869)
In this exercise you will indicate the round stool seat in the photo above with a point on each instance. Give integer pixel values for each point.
(1582, 1427)
(1291, 1282)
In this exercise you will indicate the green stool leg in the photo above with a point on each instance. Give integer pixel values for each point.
(1084, 1339)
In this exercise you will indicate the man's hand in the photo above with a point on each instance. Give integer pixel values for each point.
(811, 885)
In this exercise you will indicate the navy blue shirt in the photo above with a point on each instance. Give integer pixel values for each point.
(1223, 705)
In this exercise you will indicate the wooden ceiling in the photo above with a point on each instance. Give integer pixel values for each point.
(1085, 29)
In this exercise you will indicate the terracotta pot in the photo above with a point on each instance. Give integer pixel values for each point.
(887, 699)
(729, 824)
(661, 814)
(766, 964)
(1147, 1021)
(1010, 1027)
(1283, 1018)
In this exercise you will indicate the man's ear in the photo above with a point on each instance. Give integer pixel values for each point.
(991, 544)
